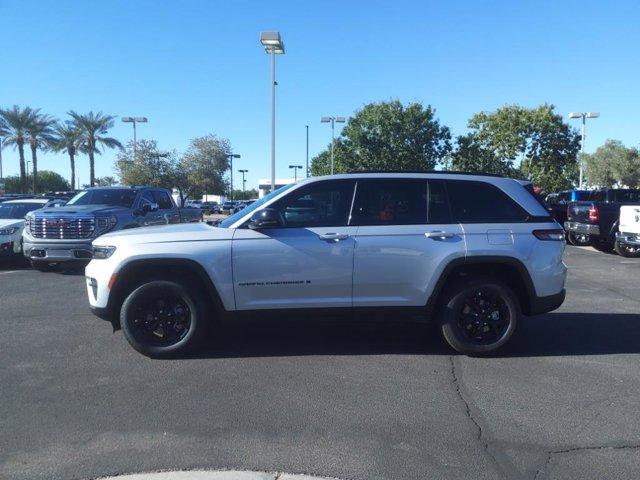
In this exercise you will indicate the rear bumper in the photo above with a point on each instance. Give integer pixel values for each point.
(628, 238)
(582, 228)
(539, 305)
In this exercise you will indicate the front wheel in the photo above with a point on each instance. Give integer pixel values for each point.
(479, 316)
(626, 250)
(163, 318)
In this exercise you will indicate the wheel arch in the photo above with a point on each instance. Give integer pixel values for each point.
(509, 270)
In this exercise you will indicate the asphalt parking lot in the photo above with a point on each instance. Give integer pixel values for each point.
(354, 401)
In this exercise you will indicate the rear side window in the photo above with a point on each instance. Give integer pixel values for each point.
(631, 196)
(400, 202)
(479, 202)
(163, 200)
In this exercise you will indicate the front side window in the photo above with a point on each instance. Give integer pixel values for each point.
(147, 199)
(411, 201)
(480, 202)
(163, 200)
(320, 204)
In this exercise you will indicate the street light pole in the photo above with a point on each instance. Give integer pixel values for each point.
(135, 120)
(273, 45)
(231, 156)
(295, 171)
(307, 127)
(332, 120)
(1, 159)
(243, 181)
(583, 116)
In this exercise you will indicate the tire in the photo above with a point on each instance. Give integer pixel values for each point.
(483, 332)
(148, 318)
(603, 246)
(44, 267)
(578, 240)
(626, 250)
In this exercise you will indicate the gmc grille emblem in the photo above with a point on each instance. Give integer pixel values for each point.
(56, 223)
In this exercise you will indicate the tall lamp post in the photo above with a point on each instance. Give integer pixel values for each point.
(135, 120)
(243, 181)
(307, 127)
(231, 156)
(333, 121)
(273, 45)
(1, 159)
(584, 116)
(295, 171)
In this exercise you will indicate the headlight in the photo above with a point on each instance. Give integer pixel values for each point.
(100, 252)
(105, 223)
(8, 230)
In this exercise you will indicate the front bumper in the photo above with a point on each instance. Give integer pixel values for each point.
(582, 228)
(628, 238)
(57, 251)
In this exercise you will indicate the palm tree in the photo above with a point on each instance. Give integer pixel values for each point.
(68, 138)
(15, 122)
(40, 134)
(94, 127)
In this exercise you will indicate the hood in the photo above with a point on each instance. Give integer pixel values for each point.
(181, 232)
(11, 222)
(84, 210)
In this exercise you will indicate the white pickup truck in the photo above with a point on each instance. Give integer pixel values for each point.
(628, 235)
(472, 251)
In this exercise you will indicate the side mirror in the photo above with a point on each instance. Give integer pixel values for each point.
(154, 207)
(265, 218)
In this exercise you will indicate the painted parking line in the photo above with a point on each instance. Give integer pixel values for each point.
(10, 271)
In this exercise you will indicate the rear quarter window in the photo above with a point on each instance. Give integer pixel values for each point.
(480, 202)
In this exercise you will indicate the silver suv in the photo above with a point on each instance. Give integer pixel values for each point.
(473, 252)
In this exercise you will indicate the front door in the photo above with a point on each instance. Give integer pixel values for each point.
(308, 261)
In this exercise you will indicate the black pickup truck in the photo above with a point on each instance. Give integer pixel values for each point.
(598, 216)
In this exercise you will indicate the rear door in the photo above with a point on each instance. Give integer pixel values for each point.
(405, 237)
(308, 262)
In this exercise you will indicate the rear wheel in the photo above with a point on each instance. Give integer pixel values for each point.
(479, 316)
(578, 239)
(626, 250)
(162, 318)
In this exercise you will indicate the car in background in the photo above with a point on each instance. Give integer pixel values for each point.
(228, 207)
(12, 213)
(209, 208)
(598, 217)
(557, 205)
(64, 234)
(628, 234)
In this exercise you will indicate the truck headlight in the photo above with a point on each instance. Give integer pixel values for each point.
(105, 223)
(102, 252)
(8, 230)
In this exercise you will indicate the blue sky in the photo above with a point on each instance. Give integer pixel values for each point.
(195, 67)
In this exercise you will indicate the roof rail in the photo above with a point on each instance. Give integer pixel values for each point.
(441, 172)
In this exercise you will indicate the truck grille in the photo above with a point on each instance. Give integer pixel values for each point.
(61, 227)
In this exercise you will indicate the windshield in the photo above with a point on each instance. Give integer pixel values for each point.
(254, 206)
(112, 196)
(17, 210)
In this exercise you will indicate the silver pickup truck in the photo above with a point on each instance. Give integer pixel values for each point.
(64, 234)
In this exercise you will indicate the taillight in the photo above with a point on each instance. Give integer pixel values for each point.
(594, 214)
(555, 235)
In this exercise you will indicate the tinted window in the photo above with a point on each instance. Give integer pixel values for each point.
(399, 202)
(597, 196)
(17, 210)
(321, 204)
(109, 196)
(478, 202)
(147, 198)
(163, 200)
(631, 196)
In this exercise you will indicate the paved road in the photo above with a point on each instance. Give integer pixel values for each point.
(350, 401)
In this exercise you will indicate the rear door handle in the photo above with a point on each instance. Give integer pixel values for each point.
(333, 237)
(439, 234)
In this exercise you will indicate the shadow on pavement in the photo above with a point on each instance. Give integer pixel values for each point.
(555, 334)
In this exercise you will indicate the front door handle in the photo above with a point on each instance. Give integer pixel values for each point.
(439, 234)
(333, 237)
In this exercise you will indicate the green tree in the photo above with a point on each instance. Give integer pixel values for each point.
(387, 136)
(613, 163)
(201, 170)
(545, 147)
(14, 126)
(106, 181)
(249, 194)
(40, 130)
(67, 138)
(470, 155)
(150, 166)
(48, 182)
(94, 128)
